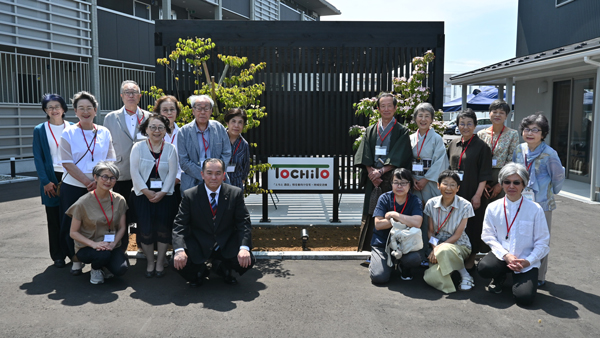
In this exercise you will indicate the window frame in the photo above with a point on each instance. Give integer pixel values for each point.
(557, 4)
(148, 8)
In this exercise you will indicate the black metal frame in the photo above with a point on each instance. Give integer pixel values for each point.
(315, 72)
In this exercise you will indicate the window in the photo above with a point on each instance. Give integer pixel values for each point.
(562, 2)
(141, 10)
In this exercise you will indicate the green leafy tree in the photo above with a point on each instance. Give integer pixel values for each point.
(235, 87)
(409, 93)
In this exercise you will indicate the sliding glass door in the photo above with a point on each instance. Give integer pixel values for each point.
(572, 112)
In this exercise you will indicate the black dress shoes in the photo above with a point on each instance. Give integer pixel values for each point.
(159, 274)
(149, 274)
(228, 278)
(77, 272)
(59, 263)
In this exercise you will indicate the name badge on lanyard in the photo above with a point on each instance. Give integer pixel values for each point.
(506, 245)
(460, 174)
(109, 237)
(231, 168)
(494, 162)
(417, 166)
(89, 167)
(528, 194)
(433, 240)
(380, 151)
(156, 183)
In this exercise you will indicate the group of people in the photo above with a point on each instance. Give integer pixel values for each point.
(483, 193)
(140, 167)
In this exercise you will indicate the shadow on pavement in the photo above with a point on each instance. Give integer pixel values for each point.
(552, 299)
(272, 267)
(213, 294)
(416, 288)
(73, 290)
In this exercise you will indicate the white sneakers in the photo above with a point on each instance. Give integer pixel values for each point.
(96, 276)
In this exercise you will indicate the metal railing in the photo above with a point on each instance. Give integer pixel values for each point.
(110, 83)
(26, 78)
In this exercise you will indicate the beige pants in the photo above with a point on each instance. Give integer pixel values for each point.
(450, 257)
(544, 263)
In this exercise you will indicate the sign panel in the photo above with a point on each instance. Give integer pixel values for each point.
(301, 173)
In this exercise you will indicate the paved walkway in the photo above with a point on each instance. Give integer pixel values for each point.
(285, 298)
(306, 209)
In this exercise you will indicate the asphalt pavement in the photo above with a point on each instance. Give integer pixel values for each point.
(285, 298)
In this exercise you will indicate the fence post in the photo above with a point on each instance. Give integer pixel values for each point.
(265, 197)
(336, 190)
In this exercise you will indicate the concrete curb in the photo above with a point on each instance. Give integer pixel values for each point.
(275, 224)
(17, 179)
(293, 255)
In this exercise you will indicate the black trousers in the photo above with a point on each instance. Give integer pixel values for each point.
(115, 261)
(524, 286)
(191, 270)
(123, 188)
(53, 220)
(69, 194)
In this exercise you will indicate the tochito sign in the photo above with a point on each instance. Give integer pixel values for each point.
(301, 173)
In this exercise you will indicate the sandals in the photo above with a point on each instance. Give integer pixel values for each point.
(466, 284)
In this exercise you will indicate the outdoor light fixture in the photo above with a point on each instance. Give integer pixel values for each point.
(304, 239)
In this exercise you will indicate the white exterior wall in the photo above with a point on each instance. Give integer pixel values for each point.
(528, 101)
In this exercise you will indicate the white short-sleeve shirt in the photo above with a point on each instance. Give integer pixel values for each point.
(74, 146)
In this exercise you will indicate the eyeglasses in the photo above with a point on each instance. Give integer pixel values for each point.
(130, 93)
(452, 185)
(533, 130)
(105, 178)
(85, 109)
(469, 125)
(401, 183)
(515, 183)
(155, 128)
(168, 111)
(202, 108)
(53, 108)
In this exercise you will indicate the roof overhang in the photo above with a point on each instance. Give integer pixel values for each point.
(321, 7)
(562, 61)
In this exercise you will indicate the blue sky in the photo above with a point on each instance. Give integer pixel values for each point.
(478, 33)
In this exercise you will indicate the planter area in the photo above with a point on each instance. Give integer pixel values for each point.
(289, 238)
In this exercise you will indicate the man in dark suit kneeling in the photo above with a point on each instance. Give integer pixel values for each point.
(213, 224)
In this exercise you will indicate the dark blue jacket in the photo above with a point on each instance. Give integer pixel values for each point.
(43, 163)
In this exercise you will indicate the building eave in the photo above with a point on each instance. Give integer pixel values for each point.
(321, 7)
(564, 59)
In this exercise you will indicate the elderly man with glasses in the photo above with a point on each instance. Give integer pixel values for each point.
(199, 140)
(515, 228)
(124, 126)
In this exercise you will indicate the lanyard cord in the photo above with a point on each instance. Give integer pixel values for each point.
(422, 143)
(506, 218)
(444, 222)
(463, 152)
(112, 210)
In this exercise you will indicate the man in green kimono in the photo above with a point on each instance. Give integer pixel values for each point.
(385, 147)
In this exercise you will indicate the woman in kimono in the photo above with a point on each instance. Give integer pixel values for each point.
(385, 146)
(471, 158)
(429, 160)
